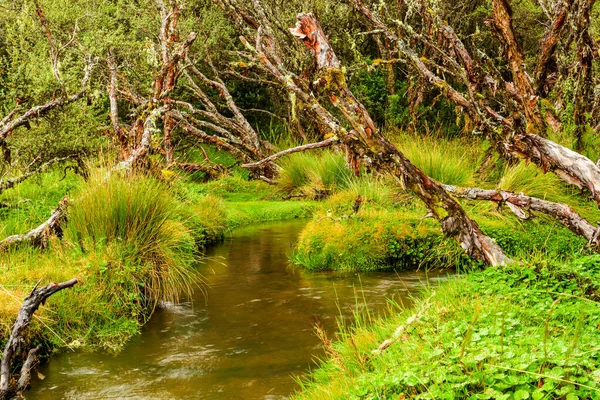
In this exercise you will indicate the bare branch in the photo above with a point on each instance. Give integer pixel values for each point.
(311, 146)
(39, 236)
(11, 182)
(29, 307)
(10, 125)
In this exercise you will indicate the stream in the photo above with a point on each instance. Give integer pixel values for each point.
(244, 336)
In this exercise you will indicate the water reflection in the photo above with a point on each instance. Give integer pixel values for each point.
(245, 338)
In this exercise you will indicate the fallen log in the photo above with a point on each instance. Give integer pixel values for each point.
(16, 340)
(39, 236)
(521, 204)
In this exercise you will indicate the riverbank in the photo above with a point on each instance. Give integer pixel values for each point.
(517, 332)
(391, 231)
(131, 242)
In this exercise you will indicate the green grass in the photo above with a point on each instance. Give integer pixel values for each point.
(518, 332)
(450, 162)
(30, 203)
(309, 173)
(389, 232)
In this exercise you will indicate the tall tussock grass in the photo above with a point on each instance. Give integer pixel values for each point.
(306, 173)
(449, 162)
(138, 222)
(532, 181)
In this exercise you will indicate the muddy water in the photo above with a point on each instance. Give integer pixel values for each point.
(245, 338)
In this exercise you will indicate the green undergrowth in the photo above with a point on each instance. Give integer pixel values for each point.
(526, 331)
(131, 242)
(31, 202)
(389, 232)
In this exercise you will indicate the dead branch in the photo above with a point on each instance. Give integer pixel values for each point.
(521, 205)
(311, 146)
(39, 236)
(11, 182)
(397, 335)
(16, 340)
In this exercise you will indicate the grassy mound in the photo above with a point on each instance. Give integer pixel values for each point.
(130, 241)
(130, 244)
(388, 234)
(520, 332)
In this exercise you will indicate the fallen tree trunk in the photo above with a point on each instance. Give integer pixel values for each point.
(521, 205)
(13, 346)
(366, 143)
(39, 236)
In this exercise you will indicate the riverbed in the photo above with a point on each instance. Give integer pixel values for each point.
(245, 335)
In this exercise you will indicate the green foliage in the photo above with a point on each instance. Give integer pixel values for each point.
(519, 332)
(370, 88)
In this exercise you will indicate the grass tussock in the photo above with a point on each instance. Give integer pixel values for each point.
(131, 242)
(313, 173)
(138, 216)
(450, 162)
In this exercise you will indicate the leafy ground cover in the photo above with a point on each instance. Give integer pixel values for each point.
(518, 332)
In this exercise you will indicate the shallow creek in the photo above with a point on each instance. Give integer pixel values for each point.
(245, 337)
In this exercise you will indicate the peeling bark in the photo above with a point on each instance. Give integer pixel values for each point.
(521, 205)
